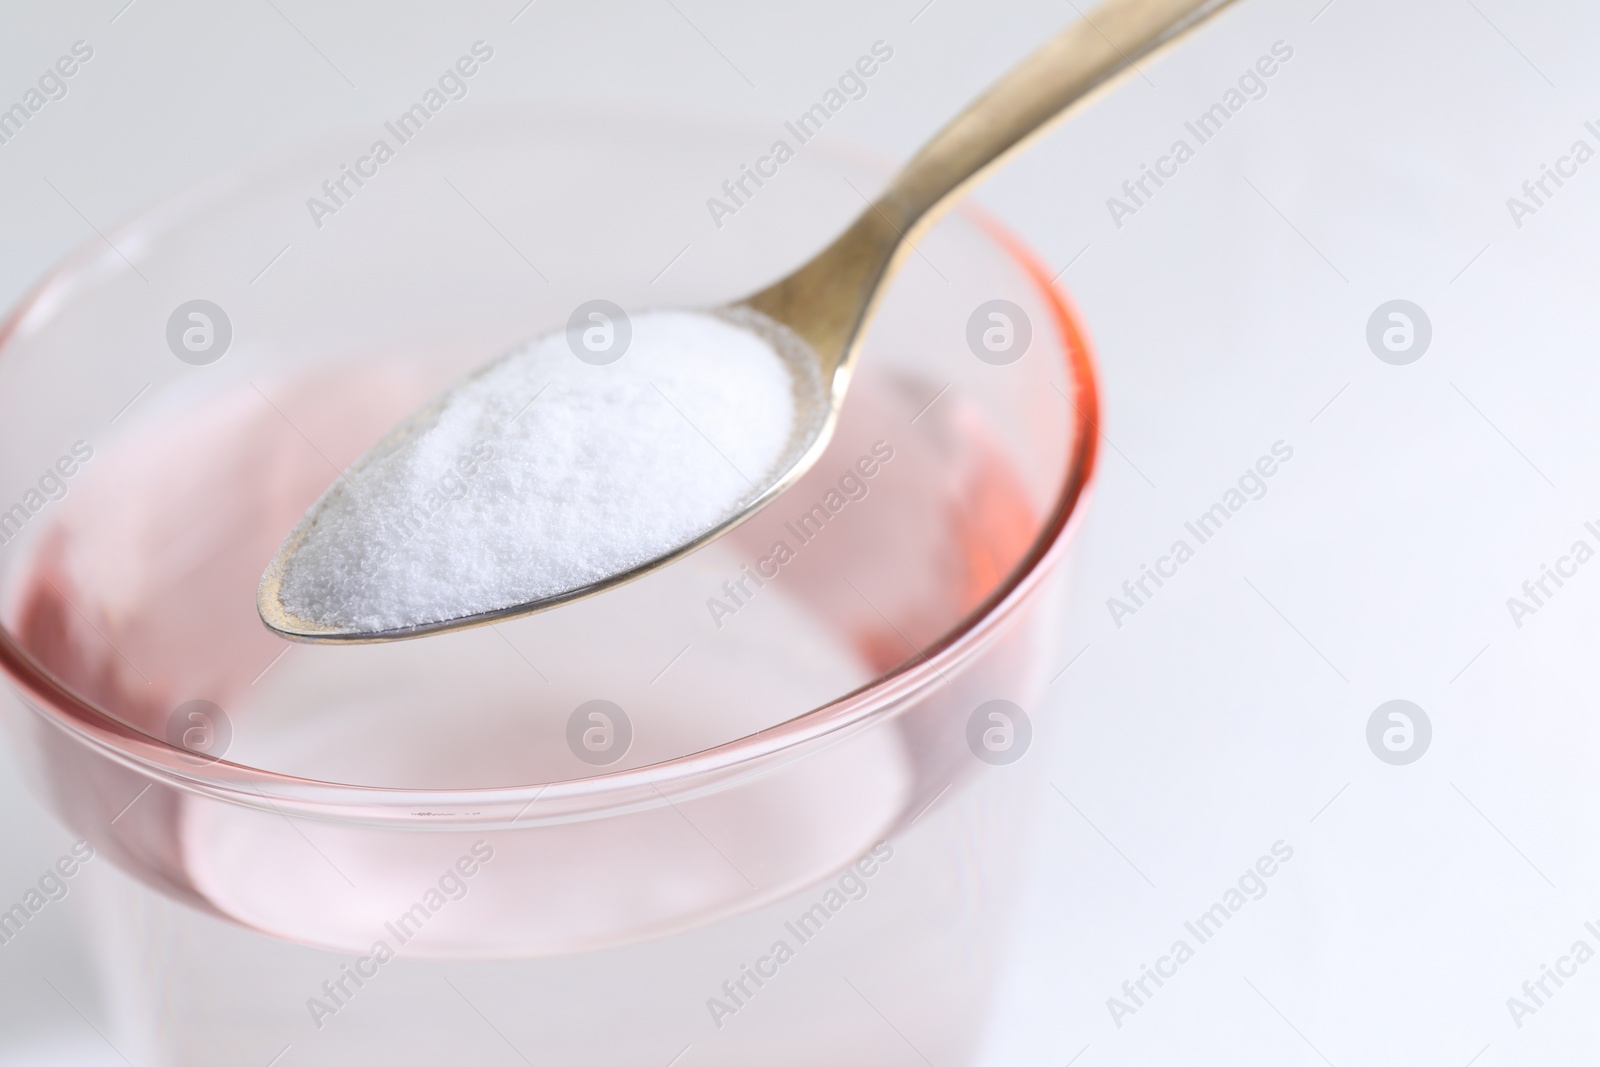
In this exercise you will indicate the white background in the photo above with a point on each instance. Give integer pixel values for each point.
(1229, 313)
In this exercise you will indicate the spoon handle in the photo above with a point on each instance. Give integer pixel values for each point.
(1068, 70)
(829, 299)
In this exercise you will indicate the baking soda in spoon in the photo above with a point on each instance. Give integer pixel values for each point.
(543, 473)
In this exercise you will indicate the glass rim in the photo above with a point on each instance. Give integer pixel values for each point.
(574, 799)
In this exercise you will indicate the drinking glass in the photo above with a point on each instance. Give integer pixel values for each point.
(768, 803)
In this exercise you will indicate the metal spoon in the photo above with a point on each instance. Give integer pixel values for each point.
(828, 301)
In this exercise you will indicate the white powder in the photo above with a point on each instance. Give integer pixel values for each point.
(484, 500)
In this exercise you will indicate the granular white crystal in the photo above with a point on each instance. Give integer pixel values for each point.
(542, 473)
